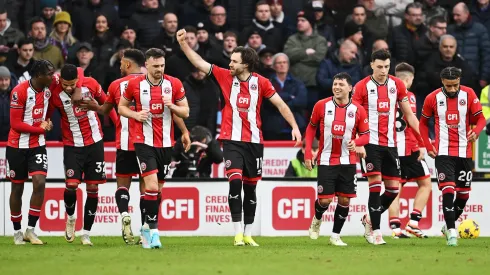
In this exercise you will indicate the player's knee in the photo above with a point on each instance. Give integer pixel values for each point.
(343, 200)
(425, 184)
(124, 182)
(325, 201)
(38, 188)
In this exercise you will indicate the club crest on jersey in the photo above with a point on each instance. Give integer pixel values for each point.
(143, 166)
(15, 97)
(70, 173)
(167, 90)
(47, 94)
(475, 100)
(392, 90)
(12, 174)
(462, 102)
(227, 163)
(320, 189)
(350, 114)
(369, 166)
(441, 176)
(253, 87)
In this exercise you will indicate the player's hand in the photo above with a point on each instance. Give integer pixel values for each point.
(472, 137)
(142, 115)
(181, 36)
(76, 96)
(422, 152)
(296, 135)
(432, 153)
(45, 126)
(186, 141)
(89, 104)
(219, 35)
(351, 145)
(167, 100)
(50, 124)
(361, 152)
(308, 164)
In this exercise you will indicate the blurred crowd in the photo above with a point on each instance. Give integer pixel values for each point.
(302, 44)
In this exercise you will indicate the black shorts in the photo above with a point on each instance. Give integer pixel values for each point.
(153, 160)
(412, 169)
(126, 164)
(381, 160)
(22, 163)
(454, 171)
(87, 161)
(245, 158)
(337, 180)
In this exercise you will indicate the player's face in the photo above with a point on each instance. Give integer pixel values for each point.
(380, 68)
(341, 89)
(46, 80)
(125, 64)
(236, 66)
(155, 67)
(451, 86)
(69, 86)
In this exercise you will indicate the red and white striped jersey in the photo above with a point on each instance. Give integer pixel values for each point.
(125, 126)
(157, 130)
(380, 102)
(405, 139)
(79, 127)
(241, 114)
(34, 105)
(338, 126)
(452, 120)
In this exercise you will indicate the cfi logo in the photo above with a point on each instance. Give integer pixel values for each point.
(462, 102)
(392, 90)
(351, 114)
(441, 176)
(143, 166)
(70, 173)
(167, 90)
(227, 163)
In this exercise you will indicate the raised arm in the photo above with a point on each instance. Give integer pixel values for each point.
(193, 57)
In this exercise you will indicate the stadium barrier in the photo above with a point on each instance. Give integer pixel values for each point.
(200, 208)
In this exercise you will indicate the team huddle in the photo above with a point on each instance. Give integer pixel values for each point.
(373, 121)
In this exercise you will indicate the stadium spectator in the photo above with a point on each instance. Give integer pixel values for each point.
(85, 14)
(293, 93)
(61, 36)
(195, 11)
(323, 22)
(343, 60)
(129, 33)
(480, 12)
(429, 43)
(9, 36)
(42, 48)
(473, 42)
(485, 103)
(404, 36)
(166, 39)
(278, 17)
(203, 97)
(45, 9)
(21, 63)
(5, 89)
(447, 57)
(265, 62)
(218, 24)
(355, 33)
(240, 13)
(149, 20)
(178, 65)
(272, 35)
(394, 10)
(85, 59)
(375, 20)
(306, 49)
(104, 42)
(431, 8)
(254, 41)
(229, 44)
(296, 167)
(358, 16)
(379, 44)
(210, 46)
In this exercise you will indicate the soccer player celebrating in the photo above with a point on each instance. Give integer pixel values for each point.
(412, 169)
(242, 93)
(83, 152)
(379, 94)
(454, 107)
(340, 120)
(126, 162)
(157, 96)
(26, 150)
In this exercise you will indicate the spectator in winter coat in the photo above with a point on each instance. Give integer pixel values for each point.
(195, 11)
(166, 40)
(324, 23)
(375, 20)
(278, 17)
(294, 94)
(359, 17)
(473, 42)
(21, 63)
(129, 33)
(46, 9)
(178, 65)
(405, 36)
(344, 60)
(431, 8)
(355, 33)
(429, 43)
(271, 34)
(85, 14)
(254, 41)
(6, 86)
(149, 20)
(480, 12)
(229, 44)
(209, 46)
(9, 36)
(306, 49)
(42, 48)
(394, 10)
(62, 37)
(265, 62)
(218, 25)
(379, 44)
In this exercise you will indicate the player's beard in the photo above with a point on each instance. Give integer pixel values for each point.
(157, 75)
(236, 72)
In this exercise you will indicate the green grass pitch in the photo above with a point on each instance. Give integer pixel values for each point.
(217, 255)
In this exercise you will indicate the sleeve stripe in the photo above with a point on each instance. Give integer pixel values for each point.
(405, 99)
(425, 116)
(365, 132)
(180, 99)
(16, 107)
(211, 70)
(271, 95)
(477, 113)
(311, 123)
(126, 98)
